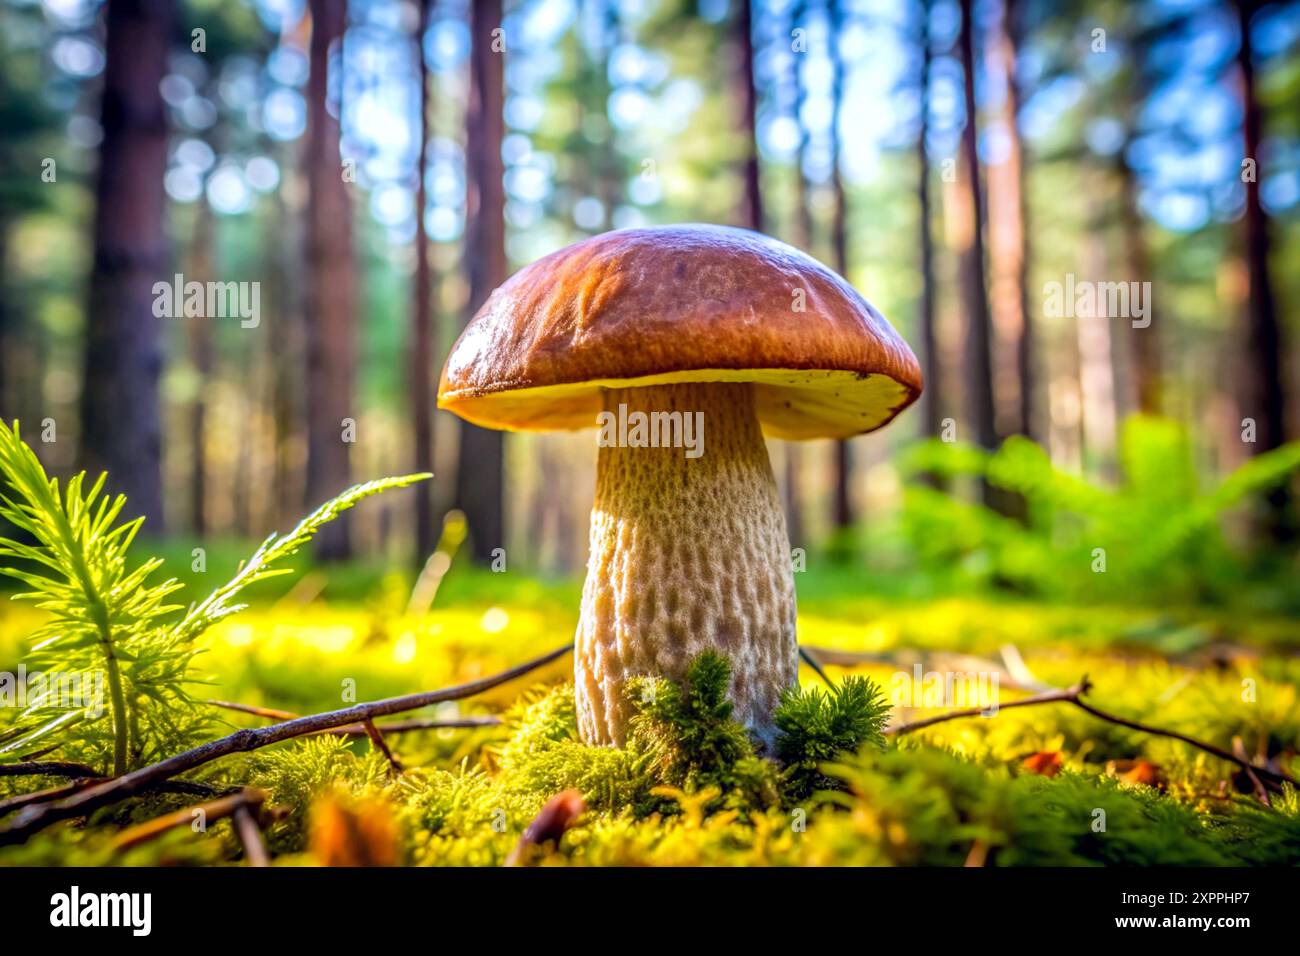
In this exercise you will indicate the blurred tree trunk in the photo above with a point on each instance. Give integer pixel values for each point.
(803, 239)
(121, 426)
(200, 342)
(1010, 239)
(1264, 396)
(287, 345)
(331, 285)
(842, 501)
(931, 367)
(609, 173)
(803, 219)
(480, 487)
(752, 208)
(977, 348)
(1145, 342)
(1098, 407)
(423, 331)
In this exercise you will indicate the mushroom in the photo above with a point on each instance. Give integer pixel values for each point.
(685, 344)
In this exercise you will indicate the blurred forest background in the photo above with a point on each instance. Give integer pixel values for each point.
(378, 167)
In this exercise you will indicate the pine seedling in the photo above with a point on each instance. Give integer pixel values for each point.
(816, 727)
(108, 625)
(686, 732)
(686, 728)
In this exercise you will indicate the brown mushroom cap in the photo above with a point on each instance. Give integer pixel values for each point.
(686, 303)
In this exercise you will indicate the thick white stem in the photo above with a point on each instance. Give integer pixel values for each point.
(687, 554)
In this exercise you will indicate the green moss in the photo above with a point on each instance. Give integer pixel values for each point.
(682, 737)
(544, 756)
(922, 805)
(690, 790)
(297, 774)
(816, 727)
(686, 733)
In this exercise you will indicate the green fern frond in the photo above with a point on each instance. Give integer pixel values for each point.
(262, 565)
(1158, 520)
(108, 624)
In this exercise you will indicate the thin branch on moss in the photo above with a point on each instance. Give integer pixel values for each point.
(396, 727)
(11, 804)
(1276, 776)
(1073, 695)
(253, 709)
(1260, 790)
(1008, 676)
(810, 659)
(420, 723)
(250, 837)
(35, 818)
(211, 811)
(50, 768)
(379, 743)
(1070, 694)
(188, 787)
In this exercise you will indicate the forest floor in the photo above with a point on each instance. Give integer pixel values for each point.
(1044, 784)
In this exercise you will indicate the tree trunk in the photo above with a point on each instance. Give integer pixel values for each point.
(288, 347)
(752, 209)
(331, 286)
(1010, 240)
(931, 369)
(842, 502)
(1096, 358)
(121, 425)
(609, 174)
(480, 490)
(423, 332)
(1145, 342)
(1264, 393)
(792, 477)
(978, 352)
(200, 341)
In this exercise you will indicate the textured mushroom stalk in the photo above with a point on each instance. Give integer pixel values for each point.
(687, 554)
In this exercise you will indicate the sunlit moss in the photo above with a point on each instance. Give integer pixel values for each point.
(689, 790)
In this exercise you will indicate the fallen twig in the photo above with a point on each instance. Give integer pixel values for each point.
(250, 836)
(1073, 695)
(254, 710)
(1051, 697)
(49, 768)
(34, 818)
(421, 723)
(1260, 790)
(10, 804)
(211, 811)
(186, 787)
(1276, 776)
(936, 660)
(379, 743)
(810, 659)
(359, 730)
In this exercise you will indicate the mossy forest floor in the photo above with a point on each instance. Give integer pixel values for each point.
(1042, 785)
